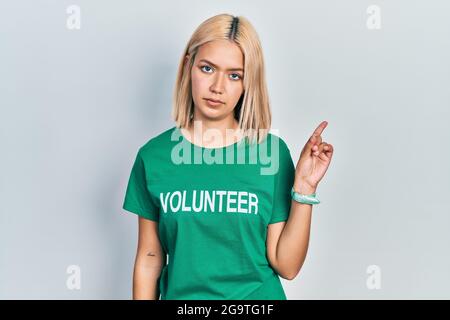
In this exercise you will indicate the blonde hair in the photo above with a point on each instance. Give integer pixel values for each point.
(252, 110)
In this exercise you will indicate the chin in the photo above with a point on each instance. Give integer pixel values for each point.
(211, 113)
(206, 109)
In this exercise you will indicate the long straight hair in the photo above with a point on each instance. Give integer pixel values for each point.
(252, 110)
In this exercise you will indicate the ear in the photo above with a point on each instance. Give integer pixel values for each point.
(186, 59)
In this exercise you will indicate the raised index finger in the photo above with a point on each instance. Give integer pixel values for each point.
(320, 128)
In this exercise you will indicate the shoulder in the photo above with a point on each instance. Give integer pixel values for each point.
(280, 151)
(276, 141)
(157, 143)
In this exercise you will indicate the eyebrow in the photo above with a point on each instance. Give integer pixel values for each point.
(214, 65)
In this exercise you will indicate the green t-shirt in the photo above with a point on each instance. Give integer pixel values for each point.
(213, 215)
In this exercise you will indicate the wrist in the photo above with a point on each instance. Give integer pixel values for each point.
(302, 187)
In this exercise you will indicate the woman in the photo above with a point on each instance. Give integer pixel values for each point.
(215, 192)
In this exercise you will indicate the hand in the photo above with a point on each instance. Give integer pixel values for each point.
(313, 163)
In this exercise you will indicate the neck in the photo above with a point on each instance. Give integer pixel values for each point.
(213, 133)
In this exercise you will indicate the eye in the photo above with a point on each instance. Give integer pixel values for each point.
(239, 77)
(205, 67)
(235, 74)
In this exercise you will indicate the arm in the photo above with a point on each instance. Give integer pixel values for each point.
(287, 242)
(150, 259)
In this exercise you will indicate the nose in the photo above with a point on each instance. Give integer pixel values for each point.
(217, 86)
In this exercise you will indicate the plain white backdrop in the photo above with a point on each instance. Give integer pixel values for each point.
(76, 104)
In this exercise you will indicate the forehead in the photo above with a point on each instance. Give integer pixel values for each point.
(225, 54)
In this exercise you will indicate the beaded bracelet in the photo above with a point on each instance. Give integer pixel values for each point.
(304, 198)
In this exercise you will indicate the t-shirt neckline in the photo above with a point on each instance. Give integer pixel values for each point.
(208, 148)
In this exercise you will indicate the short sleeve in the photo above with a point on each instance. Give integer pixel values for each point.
(137, 197)
(283, 182)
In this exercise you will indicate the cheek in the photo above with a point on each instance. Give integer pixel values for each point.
(237, 91)
(194, 82)
(198, 81)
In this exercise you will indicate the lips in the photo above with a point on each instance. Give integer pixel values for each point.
(213, 100)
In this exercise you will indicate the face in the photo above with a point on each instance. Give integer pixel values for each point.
(217, 73)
